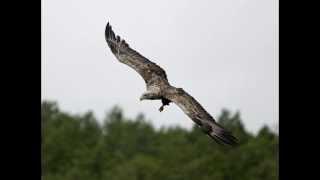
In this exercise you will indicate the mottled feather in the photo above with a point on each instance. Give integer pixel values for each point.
(149, 71)
(200, 116)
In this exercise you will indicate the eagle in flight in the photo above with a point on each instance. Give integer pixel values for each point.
(159, 88)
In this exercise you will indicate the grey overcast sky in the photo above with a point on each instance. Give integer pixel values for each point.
(223, 52)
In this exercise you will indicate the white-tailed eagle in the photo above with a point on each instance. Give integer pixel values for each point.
(158, 88)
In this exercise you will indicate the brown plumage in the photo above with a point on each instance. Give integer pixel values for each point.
(159, 88)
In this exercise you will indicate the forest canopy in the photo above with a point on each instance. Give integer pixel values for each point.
(78, 147)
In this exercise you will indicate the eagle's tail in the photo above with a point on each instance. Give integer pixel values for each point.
(221, 135)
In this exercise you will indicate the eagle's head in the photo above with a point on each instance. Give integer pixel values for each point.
(144, 97)
(149, 96)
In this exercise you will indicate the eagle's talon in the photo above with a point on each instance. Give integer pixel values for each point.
(161, 109)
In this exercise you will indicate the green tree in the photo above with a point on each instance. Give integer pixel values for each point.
(77, 147)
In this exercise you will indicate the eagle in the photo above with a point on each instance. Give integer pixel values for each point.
(159, 88)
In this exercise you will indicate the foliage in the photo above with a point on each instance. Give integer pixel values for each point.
(77, 147)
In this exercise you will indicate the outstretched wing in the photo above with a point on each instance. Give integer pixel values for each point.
(201, 117)
(149, 71)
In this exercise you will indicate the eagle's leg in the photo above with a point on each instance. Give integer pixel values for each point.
(165, 102)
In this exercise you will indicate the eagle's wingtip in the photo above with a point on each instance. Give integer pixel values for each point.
(224, 136)
(108, 29)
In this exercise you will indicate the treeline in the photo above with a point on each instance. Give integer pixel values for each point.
(77, 147)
